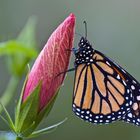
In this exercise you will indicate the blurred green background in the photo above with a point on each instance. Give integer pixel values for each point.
(113, 27)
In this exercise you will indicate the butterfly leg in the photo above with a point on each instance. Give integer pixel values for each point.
(69, 70)
(74, 50)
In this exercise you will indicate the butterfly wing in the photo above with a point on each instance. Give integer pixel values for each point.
(133, 116)
(102, 92)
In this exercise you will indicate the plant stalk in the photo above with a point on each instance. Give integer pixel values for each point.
(19, 138)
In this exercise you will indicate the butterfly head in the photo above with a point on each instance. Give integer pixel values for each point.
(85, 50)
(84, 53)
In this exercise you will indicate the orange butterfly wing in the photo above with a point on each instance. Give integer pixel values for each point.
(101, 94)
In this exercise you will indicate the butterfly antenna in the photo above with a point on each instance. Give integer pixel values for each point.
(85, 28)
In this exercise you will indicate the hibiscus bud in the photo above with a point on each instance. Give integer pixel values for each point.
(47, 73)
(53, 60)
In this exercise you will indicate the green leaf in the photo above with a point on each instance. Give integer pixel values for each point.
(21, 50)
(15, 47)
(18, 55)
(46, 130)
(27, 35)
(28, 110)
(8, 118)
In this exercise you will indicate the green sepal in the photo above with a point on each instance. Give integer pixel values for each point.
(28, 115)
(28, 110)
(29, 130)
(46, 110)
(43, 113)
(46, 130)
(17, 110)
(40, 116)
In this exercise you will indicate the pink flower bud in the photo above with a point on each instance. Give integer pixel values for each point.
(52, 60)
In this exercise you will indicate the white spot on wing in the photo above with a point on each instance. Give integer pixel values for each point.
(127, 104)
(130, 102)
(90, 119)
(138, 120)
(135, 106)
(77, 113)
(78, 109)
(101, 121)
(108, 116)
(113, 118)
(123, 70)
(130, 115)
(138, 98)
(97, 117)
(128, 90)
(95, 121)
(124, 83)
(107, 121)
(74, 105)
(91, 60)
(88, 112)
(118, 77)
(82, 112)
(132, 87)
(134, 81)
(108, 63)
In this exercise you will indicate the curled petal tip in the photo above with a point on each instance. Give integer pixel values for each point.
(72, 15)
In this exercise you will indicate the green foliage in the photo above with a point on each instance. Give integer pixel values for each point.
(14, 47)
(46, 130)
(20, 51)
(28, 116)
(27, 35)
(28, 111)
(17, 110)
(8, 119)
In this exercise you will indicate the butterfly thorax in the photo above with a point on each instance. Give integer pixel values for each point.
(84, 53)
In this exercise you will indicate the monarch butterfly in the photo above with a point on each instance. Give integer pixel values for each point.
(103, 92)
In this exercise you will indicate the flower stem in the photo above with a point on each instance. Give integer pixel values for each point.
(9, 92)
(19, 138)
